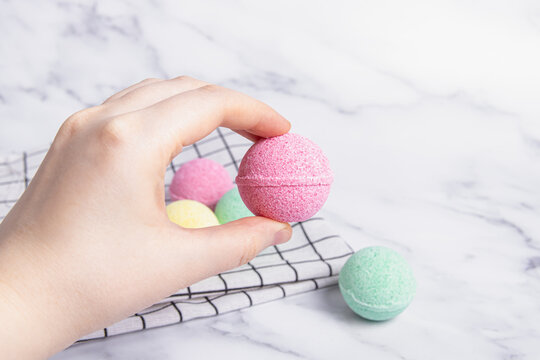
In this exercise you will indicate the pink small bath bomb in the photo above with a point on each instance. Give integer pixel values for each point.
(285, 178)
(202, 180)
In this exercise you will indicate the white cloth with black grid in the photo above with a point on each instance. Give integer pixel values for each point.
(311, 260)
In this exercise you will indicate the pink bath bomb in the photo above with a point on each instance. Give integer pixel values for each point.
(202, 180)
(285, 178)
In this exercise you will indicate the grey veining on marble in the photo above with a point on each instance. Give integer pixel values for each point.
(428, 110)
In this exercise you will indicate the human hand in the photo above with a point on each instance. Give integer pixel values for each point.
(89, 242)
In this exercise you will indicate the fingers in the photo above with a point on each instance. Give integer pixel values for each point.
(224, 247)
(185, 118)
(143, 95)
(130, 88)
(177, 112)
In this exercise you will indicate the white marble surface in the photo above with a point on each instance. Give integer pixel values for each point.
(428, 110)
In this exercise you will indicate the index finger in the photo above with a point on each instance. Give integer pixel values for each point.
(188, 117)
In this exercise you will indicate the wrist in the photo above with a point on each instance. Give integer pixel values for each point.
(32, 323)
(15, 323)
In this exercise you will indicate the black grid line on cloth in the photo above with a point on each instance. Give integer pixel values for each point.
(315, 249)
(279, 265)
(287, 261)
(81, 341)
(37, 152)
(213, 152)
(212, 304)
(249, 297)
(9, 182)
(143, 322)
(232, 163)
(173, 168)
(228, 148)
(212, 138)
(193, 294)
(146, 312)
(237, 290)
(240, 289)
(224, 283)
(301, 246)
(196, 148)
(305, 221)
(7, 201)
(252, 268)
(178, 311)
(292, 262)
(202, 300)
(294, 269)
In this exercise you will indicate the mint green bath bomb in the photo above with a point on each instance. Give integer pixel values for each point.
(231, 207)
(377, 283)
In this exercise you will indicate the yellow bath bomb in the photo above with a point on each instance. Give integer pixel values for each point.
(191, 214)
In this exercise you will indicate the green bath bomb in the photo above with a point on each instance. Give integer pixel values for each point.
(377, 283)
(231, 207)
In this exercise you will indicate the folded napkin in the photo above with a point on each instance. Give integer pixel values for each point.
(311, 260)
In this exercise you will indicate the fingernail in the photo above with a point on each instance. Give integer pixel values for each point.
(283, 235)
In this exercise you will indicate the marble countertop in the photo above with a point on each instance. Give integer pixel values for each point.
(428, 110)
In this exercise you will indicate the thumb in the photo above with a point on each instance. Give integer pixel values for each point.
(227, 246)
